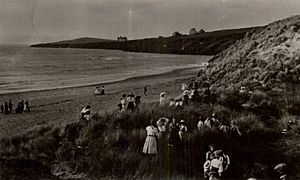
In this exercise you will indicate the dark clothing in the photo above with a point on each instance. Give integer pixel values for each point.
(2, 108)
(22, 106)
(102, 91)
(130, 105)
(137, 101)
(145, 90)
(19, 109)
(6, 108)
(185, 99)
(174, 136)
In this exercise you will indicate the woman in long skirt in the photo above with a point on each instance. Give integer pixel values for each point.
(150, 146)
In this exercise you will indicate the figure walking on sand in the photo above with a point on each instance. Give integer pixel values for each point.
(151, 145)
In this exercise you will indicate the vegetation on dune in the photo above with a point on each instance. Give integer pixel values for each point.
(111, 144)
(266, 58)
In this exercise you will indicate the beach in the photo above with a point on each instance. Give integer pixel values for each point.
(60, 106)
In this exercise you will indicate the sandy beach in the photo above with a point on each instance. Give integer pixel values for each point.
(64, 105)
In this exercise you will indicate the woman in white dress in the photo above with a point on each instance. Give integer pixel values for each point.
(150, 146)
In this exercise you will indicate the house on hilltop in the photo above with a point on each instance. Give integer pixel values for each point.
(193, 31)
(122, 39)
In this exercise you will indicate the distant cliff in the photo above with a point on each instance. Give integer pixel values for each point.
(208, 43)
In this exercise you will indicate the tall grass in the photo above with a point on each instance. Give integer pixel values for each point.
(111, 144)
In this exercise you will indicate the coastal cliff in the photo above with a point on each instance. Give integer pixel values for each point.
(208, 43)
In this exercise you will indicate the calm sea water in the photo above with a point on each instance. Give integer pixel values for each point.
(23, 68)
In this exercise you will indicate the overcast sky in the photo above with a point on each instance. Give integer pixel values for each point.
(34, 21)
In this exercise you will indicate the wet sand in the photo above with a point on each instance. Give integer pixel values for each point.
(64, 105)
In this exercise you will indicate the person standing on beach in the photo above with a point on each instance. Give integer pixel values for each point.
(10, 106)
(102, 91)
(26, 107)
(2, 108)
(6, 108)
(22, 105)
(145, 90)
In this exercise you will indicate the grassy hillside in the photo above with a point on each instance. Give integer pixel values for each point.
(268, 57)
(110, 146)
(208, 43)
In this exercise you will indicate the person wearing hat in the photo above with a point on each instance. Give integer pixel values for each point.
(234, 130)
(208, 123)
(185, 97)
(97, 90)
(162, 99)
(172, 102)
(123, 101)
(178, 104)
(210, 154)
(150, 145)
(102, 91)
(281, 170)
(162, 134)
(182, 129)
(85, 112)
(200, 124)
(131, 102)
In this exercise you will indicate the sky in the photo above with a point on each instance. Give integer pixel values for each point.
(37, 21)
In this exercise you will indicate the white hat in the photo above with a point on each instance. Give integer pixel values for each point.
(182, 121)
(185, 92)
(162, 94)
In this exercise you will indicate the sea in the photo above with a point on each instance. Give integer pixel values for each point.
(23, 68)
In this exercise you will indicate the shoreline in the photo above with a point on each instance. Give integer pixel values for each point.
(109, 82)
(61, 106)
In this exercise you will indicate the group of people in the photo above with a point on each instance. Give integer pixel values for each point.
(213, 122)
(216, 163)
(7, 107)
(169, 137)
(166, 137)
(128, 103)
(99, 91)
